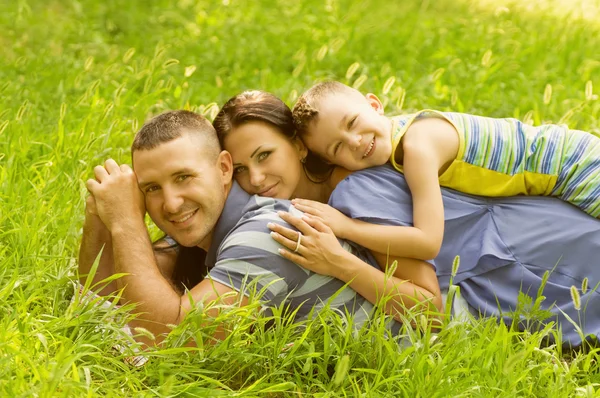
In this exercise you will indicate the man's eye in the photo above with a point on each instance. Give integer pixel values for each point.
(239, 170)
(263, 155)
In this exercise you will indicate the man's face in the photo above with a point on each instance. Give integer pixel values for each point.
(351, 131)
(185, 190)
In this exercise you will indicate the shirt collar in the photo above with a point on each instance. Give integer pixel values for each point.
(231, 215)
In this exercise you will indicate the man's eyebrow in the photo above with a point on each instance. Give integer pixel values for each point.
(144, 184)
(185, 170)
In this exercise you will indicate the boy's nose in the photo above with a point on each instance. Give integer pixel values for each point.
(353, 141)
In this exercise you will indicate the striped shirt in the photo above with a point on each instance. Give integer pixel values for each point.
(505, 246)
(506, 157)
(244, 256)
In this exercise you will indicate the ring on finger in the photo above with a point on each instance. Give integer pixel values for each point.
(298, 242)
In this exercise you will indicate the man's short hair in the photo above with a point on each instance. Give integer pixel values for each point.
(306, 109)
(173, 124)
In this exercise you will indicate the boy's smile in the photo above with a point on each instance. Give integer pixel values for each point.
(351, 131)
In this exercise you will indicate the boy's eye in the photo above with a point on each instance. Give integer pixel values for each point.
(182, 178)
(352, 121)
(336, 148)
(239, 170)
(263, 155)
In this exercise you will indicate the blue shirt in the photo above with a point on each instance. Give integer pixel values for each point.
(505, 245)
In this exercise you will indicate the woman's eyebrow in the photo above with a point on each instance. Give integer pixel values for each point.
(256, 150)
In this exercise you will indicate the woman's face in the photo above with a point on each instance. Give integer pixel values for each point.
(265, 162)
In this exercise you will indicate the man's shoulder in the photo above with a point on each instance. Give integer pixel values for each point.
(251, 231)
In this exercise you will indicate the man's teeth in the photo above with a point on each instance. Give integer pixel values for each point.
(184, 219)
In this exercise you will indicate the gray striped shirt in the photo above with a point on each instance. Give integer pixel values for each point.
(244, 257)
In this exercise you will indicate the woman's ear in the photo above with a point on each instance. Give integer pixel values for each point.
(375, 103)
(301, 148)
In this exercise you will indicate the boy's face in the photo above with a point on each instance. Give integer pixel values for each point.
(351, 131)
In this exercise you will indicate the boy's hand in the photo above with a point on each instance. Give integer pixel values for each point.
(116, 193)
(334, 219)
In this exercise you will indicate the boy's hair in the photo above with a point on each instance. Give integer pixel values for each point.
(306, 109)
(173, 124)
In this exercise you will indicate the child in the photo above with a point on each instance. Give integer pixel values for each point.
(472, 154)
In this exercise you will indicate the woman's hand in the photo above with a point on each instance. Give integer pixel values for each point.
(319, 250)
(339, 223)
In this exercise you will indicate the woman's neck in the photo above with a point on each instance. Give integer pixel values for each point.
(311, 190)
(319, 191)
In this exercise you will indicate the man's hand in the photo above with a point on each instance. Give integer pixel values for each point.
(90, 206)
(116, 194)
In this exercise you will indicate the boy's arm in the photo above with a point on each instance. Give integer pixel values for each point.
(428, 148)
(398, 241)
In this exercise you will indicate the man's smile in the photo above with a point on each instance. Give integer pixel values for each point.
(181, 219)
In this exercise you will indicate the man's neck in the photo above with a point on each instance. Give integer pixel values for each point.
(207, 241)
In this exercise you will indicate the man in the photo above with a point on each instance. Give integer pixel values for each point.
(184, 181)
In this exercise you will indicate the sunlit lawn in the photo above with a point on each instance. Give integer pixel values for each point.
(78, 78)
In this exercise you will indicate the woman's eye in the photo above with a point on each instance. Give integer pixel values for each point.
(239, 170)
(263, 155)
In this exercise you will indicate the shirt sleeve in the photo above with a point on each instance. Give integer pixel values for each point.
(249, 262)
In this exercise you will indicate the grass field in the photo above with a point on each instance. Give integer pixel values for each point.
(78, 78)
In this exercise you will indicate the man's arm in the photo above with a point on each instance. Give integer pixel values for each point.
(95, 237)
(120, 205)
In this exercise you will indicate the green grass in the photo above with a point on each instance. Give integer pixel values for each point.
(78, 78)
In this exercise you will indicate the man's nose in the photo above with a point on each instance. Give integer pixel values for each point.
(257, 177)
(172, 201)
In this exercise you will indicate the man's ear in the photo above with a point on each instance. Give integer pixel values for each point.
(300, 147)
(225, 166)
(375, 103)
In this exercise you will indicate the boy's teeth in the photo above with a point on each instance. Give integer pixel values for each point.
(368, 149)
